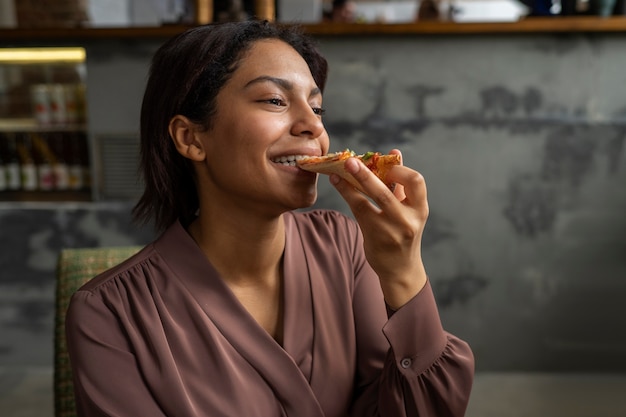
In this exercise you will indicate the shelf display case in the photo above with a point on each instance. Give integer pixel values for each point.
(44, 147)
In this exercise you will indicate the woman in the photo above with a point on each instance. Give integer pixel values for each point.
(244, 307)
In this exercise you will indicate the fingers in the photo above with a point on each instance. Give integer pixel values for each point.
(412, 184)
(357, 201)
(397, 188)
(369, 183)
(396, 152)
(381, 198)
(409, 188)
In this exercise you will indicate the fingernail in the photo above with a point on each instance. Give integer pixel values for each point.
(334, 179)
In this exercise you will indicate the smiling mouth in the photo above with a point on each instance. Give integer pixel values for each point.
(288, 160)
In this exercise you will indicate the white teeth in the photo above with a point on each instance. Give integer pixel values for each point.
(289, 160)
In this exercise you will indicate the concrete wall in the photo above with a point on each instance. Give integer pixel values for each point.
(521, 141)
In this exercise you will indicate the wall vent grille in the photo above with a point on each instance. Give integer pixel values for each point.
(117, 167)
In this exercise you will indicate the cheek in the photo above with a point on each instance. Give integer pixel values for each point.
(268, 124)
(261, 132)
(226, 136)
(247, 132)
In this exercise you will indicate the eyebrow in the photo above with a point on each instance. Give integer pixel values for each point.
(281, 82)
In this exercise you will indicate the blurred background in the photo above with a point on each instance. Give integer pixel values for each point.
(514, 112)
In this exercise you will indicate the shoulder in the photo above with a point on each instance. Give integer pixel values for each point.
(108, 294)
(131, 268)
(148, 263)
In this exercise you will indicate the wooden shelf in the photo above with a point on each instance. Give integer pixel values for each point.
(45, 196)
(527, 25)
(589, 24)
(81, 33)
(31, 125)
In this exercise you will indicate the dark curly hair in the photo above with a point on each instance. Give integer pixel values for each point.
(186, 74)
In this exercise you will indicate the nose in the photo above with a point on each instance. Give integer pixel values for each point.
(307, 123)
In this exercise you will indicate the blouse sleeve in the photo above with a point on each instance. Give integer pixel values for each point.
(422, 371)
(433, 369)
(106, 377)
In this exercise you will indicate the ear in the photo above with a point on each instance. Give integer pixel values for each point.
(184, 133)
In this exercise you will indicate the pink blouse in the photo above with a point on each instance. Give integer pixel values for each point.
(162, 335)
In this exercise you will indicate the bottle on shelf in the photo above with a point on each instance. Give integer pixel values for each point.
(71, 103)
(28, 169)
(42, 107)
(44, 161)
(75, 166)
(58, 104)
(12, 163)
(60, 168)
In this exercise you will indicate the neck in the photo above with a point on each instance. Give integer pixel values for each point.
(243, 249)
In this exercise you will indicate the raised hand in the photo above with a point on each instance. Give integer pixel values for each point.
(392, 223)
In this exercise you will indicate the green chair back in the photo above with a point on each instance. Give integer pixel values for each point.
(74, 268)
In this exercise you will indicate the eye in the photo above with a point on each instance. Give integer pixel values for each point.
(275, 102)
(319, 111)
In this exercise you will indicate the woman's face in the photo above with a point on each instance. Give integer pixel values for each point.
(269, 111)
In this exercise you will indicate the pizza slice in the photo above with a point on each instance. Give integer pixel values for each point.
(333, 163)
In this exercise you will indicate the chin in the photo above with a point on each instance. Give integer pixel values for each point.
(306, 201)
